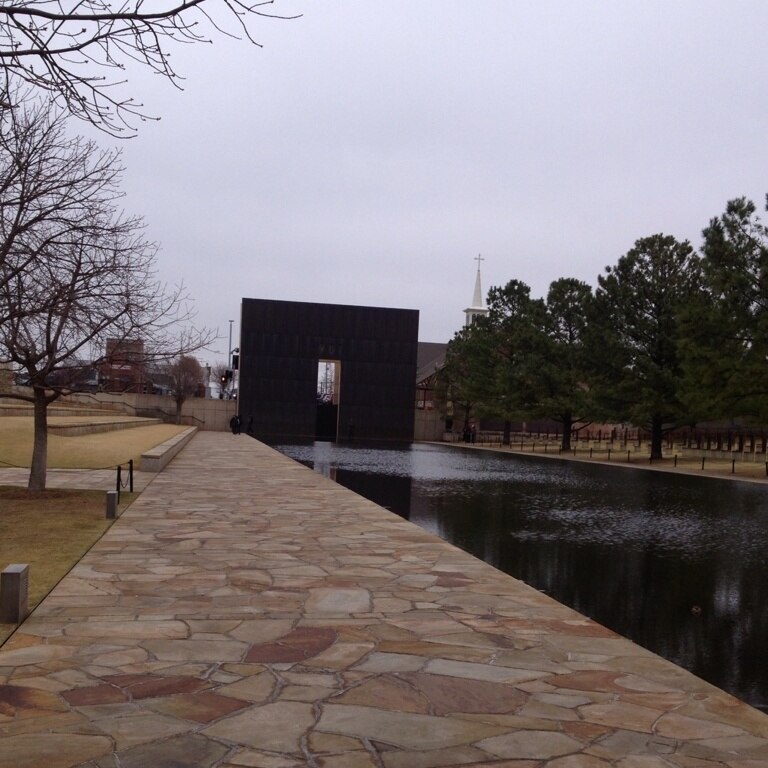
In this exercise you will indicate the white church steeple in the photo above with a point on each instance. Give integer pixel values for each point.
(478, 308)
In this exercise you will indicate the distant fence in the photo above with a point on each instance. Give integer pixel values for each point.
(715, 442)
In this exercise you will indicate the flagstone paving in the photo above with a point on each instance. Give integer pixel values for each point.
(247, 612)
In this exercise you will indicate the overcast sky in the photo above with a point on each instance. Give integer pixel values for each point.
(371, 149)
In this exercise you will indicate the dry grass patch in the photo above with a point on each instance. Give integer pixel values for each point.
(105, 449)
(51, 531)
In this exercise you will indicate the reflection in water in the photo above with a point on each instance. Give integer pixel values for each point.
(679, 564)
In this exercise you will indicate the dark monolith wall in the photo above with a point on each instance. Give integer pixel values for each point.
(281, 343)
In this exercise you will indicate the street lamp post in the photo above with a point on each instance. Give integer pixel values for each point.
(229, 354)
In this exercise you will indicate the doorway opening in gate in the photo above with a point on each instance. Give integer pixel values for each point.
(328, 391)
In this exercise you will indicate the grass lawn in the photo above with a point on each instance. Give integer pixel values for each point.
(51, 531)
(105, 449)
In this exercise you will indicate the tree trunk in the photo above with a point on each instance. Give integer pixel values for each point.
(39, 467)
(507, 432)
(657, 435)
(567, 422)
(179, 404)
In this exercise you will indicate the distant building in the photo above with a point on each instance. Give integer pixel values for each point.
(124, 368)
(77, 375)
(430, 357)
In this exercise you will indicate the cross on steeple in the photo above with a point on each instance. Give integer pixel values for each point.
(478, 259)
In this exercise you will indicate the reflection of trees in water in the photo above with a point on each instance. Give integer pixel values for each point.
(688, 583)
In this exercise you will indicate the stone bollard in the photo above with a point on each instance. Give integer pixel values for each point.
(14, 593)
(111, 505)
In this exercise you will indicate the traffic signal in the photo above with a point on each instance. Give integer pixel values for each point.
(235, 362)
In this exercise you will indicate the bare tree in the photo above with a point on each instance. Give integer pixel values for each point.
(186, 376)
(67, 286)
(46, 178)
(71, 48)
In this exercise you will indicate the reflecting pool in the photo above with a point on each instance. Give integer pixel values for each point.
(677, 563)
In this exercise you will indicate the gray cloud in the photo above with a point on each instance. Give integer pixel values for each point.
(370, 150)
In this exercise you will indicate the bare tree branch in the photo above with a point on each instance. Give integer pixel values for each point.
(70, 48)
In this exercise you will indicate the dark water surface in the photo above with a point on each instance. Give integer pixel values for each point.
(678, 564)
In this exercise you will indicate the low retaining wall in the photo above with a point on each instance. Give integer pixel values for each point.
(157, 458)
(71, 430)
(205, 413)
(8, 409)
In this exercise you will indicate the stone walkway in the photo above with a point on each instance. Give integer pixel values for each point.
(246, 611)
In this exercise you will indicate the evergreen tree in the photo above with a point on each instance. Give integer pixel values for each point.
(727, 374)
(562, 373)
(637, 331)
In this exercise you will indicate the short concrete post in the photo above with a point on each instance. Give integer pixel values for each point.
(14, 593)
(111, 505)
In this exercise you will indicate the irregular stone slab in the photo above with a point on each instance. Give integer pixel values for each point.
(340, 656)
(201, 707)
(52, 750)
(480, 671)
(248, 758)
(391, 662)
(436, 650)
(588, 761)
(402, 729)
(253, 688)
(261, 631)
(361, 759)
(116, 630)
(386, 693)
(211, 651)
(189, 750)
(121, 658)
(458, 756)
(448, 694)
(323, 743)
(613, 645)
(275, 727)
(14, 698)
(96, 694)
(541, 745)
(141, 727)
(544, 711)
(301, 644)
(35, 654)
(619, 714)
(151, 686)
(338, 601)
(679, 726)
(249, 578)
(589, 680)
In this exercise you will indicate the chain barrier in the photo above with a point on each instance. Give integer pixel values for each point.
(119, 483)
